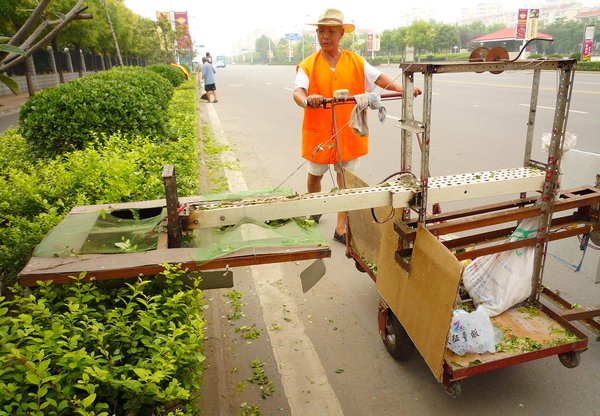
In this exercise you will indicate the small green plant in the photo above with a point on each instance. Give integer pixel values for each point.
(235, 300)
(260, 378)
(249, 410)
(248, 332)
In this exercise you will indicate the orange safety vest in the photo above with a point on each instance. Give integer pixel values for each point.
(317, 126)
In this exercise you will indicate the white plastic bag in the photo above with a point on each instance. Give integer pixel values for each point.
(471, 332)
(569, 143)
(499, 281)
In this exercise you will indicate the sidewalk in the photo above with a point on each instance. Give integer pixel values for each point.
(10, 104)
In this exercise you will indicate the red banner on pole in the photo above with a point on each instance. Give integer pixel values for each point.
(521, 24)
(182, 32)
(588, 43)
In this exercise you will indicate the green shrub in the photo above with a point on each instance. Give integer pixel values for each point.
(576, 55)
(65, 118)
(35, 195)
(588, 66)
(79, 348)
(171, 74)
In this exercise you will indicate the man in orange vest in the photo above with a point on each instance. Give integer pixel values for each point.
(317, 77)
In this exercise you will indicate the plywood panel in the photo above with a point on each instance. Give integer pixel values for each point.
(423, 299)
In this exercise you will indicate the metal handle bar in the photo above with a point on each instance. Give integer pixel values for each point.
(351, 99)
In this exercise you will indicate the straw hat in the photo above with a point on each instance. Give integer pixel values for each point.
(333, 17)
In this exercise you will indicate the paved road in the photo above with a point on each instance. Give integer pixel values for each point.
(326, 356)
(8, 119)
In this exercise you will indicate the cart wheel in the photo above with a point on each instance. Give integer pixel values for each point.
(454, 389)
(359, 267)
(396, 340)
(570, 359)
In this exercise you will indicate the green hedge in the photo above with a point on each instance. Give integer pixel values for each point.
(81, 349)
(68, 117)
(35, 194)
(78, 348)
(588, 66)
(171, 74)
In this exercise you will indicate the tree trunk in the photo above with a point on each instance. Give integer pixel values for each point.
(69, 60)
(30, 75)
(114, 35)
(59, 68)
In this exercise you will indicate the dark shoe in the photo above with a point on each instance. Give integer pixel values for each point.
(316, 217)
(340, 238)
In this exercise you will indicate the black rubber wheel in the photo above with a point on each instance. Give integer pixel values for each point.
(396, 340)
(359, 267)
(454, 389)
(570, 359)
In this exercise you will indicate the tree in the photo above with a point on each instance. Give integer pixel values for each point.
(445, 38)
(38, 29)
(167, 39)
(567, 36)
(145, 42)
(112, 32)
(261, 48)
(393, 42)
(420, 35)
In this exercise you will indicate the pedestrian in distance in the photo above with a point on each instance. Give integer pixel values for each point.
(317, 77)
(208, 76)
(209, 58)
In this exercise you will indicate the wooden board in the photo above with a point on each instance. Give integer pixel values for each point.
(366, 234)
(426, 299)
(422, 300)
(116, 266)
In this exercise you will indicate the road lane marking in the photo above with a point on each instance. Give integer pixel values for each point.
(501, 86)
(552, 108)
(297, 360)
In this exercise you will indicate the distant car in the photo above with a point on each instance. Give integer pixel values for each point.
(220, 62)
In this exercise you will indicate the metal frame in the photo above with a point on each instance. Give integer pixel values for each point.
(585, 200)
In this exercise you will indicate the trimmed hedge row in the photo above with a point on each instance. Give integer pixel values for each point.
(588, 66)
(173, 75)
(131, 101)
(82, 349)
(35, 194)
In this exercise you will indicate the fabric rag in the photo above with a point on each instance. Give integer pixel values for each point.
(358, 118)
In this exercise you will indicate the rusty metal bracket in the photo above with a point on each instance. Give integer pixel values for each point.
(173, 222)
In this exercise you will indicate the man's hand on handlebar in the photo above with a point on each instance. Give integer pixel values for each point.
(315, 100)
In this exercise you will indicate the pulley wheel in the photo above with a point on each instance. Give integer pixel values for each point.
(478, 55)
(497, 54)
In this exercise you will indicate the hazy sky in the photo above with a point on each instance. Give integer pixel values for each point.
(217, 24)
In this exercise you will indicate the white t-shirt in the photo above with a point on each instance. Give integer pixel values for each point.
(371, 75)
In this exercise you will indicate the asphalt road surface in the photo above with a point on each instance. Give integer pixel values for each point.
(8, 119)
(321, 349)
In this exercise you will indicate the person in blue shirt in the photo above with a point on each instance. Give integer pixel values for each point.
(208, 75)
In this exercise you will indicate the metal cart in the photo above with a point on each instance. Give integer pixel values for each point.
(418, 273)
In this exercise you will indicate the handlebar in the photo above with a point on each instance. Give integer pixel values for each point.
(351, 99)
